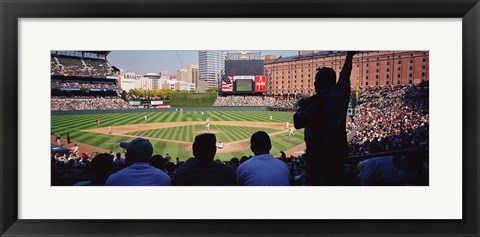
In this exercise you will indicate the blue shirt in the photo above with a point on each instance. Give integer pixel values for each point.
(263, 170)
(378, 171)
(139, 174)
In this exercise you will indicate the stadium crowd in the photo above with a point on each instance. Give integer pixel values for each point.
(394, 117)
(77, 67)
(83, 85)
(260, 169)
(88, 103)
(236, 100)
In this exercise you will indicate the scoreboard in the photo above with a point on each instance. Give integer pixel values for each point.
(244, 76)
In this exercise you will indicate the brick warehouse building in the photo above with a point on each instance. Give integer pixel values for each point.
(296, 74)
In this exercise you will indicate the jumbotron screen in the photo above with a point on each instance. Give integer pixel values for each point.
(244, 85)
(243, 67)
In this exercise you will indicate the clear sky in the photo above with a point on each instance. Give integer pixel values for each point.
(145, 61)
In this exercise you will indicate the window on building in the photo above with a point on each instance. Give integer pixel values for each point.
(378, 58)
(376, 83)
(411, 61)
(386, 82)
(399, 69)
(388, 63)
(423, 67)
(399, 56)
(410, 82)
(388, 69)
(388, 76)
(411, 75)
(424, 60)
(376, 77)
(423, 74)
(398, 75)
(411, 68)
(399, 62)
(398, 82)
(376, 70)
(366, 65)
(366, 77)
(366, 83)
(378, 64)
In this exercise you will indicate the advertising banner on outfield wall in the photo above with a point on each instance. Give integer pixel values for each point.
(157, 102)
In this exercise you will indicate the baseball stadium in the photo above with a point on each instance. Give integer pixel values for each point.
(95, 106)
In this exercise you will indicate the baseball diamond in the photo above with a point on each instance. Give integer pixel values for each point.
(173, 132)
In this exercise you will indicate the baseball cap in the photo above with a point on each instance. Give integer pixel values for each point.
(140, 146)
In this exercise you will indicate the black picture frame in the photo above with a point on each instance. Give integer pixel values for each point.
(12, 10)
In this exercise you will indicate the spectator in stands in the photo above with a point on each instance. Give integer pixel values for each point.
(138, 171)
(170, 169)
(158, 162)
(102, 167)
(377, 170)
(262, 169)
(202, 170)
(118, 162)
(324, 117)
(234, 163)
(243, 159)
(403, 169)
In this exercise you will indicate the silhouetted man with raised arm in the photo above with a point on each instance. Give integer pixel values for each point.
(324, 117)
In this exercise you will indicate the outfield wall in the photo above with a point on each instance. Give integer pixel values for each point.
(151, 110)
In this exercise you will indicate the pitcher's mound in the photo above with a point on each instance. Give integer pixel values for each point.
(207, 131)
(227, 147)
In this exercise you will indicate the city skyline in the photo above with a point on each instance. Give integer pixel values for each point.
(154, 61)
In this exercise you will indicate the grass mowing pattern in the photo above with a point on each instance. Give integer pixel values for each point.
(225, 133)
(61, 124)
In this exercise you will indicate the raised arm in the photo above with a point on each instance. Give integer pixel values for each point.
(344, 80)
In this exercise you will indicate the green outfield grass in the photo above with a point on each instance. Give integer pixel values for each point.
(76, 123)
(187, 133)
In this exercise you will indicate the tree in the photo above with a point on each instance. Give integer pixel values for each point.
(124, 95)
